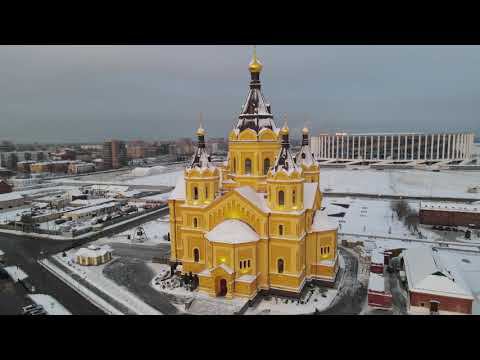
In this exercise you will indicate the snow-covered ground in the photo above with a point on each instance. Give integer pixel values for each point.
(374, 217)
(16, 273)
(166, 179)
(94, 275)
(400, 182)
(50, 304)
(155, 230)
(320, 300)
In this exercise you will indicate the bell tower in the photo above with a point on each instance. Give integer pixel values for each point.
(254, 141)
(202, 178)
(285, 180)
(306, 159)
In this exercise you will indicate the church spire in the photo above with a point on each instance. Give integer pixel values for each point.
(256, 112)
(200, 158)
(285, 159)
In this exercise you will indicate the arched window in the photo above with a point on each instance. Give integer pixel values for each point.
(280, 266)
(196, 255)
(294, 197)
(206, 192)
(266, 166)
(234, 165)
(280, 230)
(248, 166)
(281, 198)
(195, 193)
(195, 222)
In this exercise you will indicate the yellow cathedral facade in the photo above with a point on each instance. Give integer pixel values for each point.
(256, 222)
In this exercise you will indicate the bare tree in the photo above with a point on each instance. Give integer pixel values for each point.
(400, 207)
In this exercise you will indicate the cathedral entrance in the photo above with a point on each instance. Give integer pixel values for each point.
(222, 288)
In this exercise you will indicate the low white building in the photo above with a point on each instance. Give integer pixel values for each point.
(11, 200)
(93, 255)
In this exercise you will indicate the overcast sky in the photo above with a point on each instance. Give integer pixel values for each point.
(89, 93)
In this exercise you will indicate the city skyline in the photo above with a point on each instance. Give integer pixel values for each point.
(90, 93)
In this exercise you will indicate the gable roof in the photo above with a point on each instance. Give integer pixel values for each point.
(255, 198)
(426, 274)
(232, 232)
(179, 192)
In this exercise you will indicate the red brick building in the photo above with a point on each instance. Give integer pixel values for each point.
(377, 295)
(5, 187)
(377, 261)
(434, 283)
(449, 214)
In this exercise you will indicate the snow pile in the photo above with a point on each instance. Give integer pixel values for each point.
(148, 171)
(50, 305)
(16, 273)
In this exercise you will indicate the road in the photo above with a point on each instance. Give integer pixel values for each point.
(24, 252)
(352, 293)
(142, 252)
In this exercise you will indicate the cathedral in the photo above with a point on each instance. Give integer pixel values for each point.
(256, 221)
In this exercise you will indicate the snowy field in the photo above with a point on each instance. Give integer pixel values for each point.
(400, 182)
(166, 176)
(50, 304)
(374, 217)
(154, 229)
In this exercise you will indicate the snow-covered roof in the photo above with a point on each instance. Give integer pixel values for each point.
(246, 278)
(309, 192)
(11, 196)
(91, 209)
(321, 222)
(377, 257)
(376, 282)
(457, 207)
(179, 192)
(427, 274)
(232, 232)
(255, 198)
(305, 155)
(227, 268)
(94, 251)
(90, 202)
(284, 161)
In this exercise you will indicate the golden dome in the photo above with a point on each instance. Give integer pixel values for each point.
(255, 65)
(305, 131)
(284, 130)
(200, 131)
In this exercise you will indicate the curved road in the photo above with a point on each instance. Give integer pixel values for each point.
(352, 293)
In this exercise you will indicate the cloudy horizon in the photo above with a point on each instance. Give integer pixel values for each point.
(90, 93)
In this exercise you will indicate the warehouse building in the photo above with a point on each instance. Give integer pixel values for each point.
(449, 214)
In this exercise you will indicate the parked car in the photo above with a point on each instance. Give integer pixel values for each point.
(38, 312)
(29, 308)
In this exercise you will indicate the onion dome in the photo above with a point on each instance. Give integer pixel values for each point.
(255, 65)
